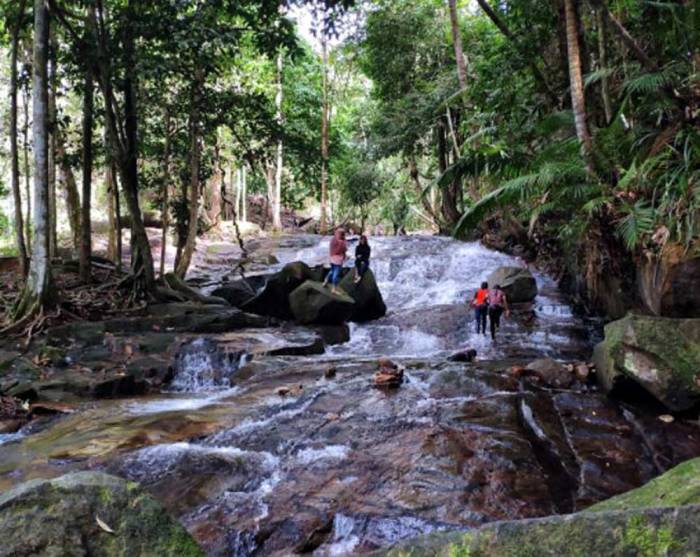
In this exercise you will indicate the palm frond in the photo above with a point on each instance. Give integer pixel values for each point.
(638, 222)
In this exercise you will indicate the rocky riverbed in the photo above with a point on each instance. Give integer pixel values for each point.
(265, 437)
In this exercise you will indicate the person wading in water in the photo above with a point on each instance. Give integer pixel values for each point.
(338, 251)
(480, 303)
(497, 303)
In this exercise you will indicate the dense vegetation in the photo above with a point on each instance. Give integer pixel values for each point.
(568, 126)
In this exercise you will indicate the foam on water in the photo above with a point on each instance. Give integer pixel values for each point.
(9, 437)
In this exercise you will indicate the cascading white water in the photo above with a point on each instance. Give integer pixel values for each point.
(426, 282)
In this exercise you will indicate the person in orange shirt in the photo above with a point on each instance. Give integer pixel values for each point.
(480, 303)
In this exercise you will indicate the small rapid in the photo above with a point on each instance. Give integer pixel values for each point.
(426, 282)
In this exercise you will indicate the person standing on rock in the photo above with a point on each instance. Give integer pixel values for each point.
(498, 304)
(480, 303)
(362, 254)
(338, 253)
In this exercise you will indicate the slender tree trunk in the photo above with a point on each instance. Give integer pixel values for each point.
(603, 62)
(53, 87)
(195, 161)
(244, 194)
(625, 35)
(14, 153)
(86, 221)
(277, 207)
(111, 219)
(578, 101)
(117, 217)
(124, 145)
(38, 290)
(165, 211)
(72, 198)
(457, 43)
(27, 169)
(239, 185)
(323, 225)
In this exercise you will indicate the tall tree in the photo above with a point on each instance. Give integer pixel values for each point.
(578, 99)
(88, 107)
(38, 289)
(457, 43)
(277, 207)
(325, 124)
(14, 153)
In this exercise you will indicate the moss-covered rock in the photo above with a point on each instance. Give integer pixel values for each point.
(273, 298)
(679, 486)
(660, 354)
(60, 517)
(646, 532)
(314, 303)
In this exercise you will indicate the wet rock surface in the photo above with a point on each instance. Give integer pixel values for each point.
(270, 447)
(314, 303)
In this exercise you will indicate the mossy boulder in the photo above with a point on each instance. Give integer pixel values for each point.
(273, 298)
(660, 354)
(60, 517)
(647, 532)
(313, 303)
(517, 282)
(369, 304)
(677, 487)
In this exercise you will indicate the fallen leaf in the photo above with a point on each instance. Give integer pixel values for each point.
(103, 526)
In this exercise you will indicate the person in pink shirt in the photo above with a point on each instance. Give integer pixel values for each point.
(338, 253)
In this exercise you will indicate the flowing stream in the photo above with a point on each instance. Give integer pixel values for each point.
(286, 460)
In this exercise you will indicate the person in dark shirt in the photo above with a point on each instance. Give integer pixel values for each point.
(362, 253)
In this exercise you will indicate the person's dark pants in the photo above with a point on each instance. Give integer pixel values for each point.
(334, 274)
(480, 312)
(495, 313)
(361, 267)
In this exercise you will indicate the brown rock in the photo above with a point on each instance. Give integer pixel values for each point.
(330, 372)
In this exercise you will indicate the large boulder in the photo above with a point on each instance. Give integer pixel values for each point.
(273, 299)
(238, 292)
(517, 282)
(313, 303)
(647, 532)
(668, 282)
(655, 519)
(660, 354)
(88, 513)
(369, 303)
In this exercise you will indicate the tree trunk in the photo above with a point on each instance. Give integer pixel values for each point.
(277, 206)
(323, 225)
(124, 147)
(244, 194)
(67, 179)
(578, 101)
(117, 217)
(427, 205)
(27, 170)
(111, 219)
(457, 43)
(450, 213)
(14, 153)
(195, 161)
(86, 221)
(38, 290)
(165, 211)
(53, 87)
(603, 63)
